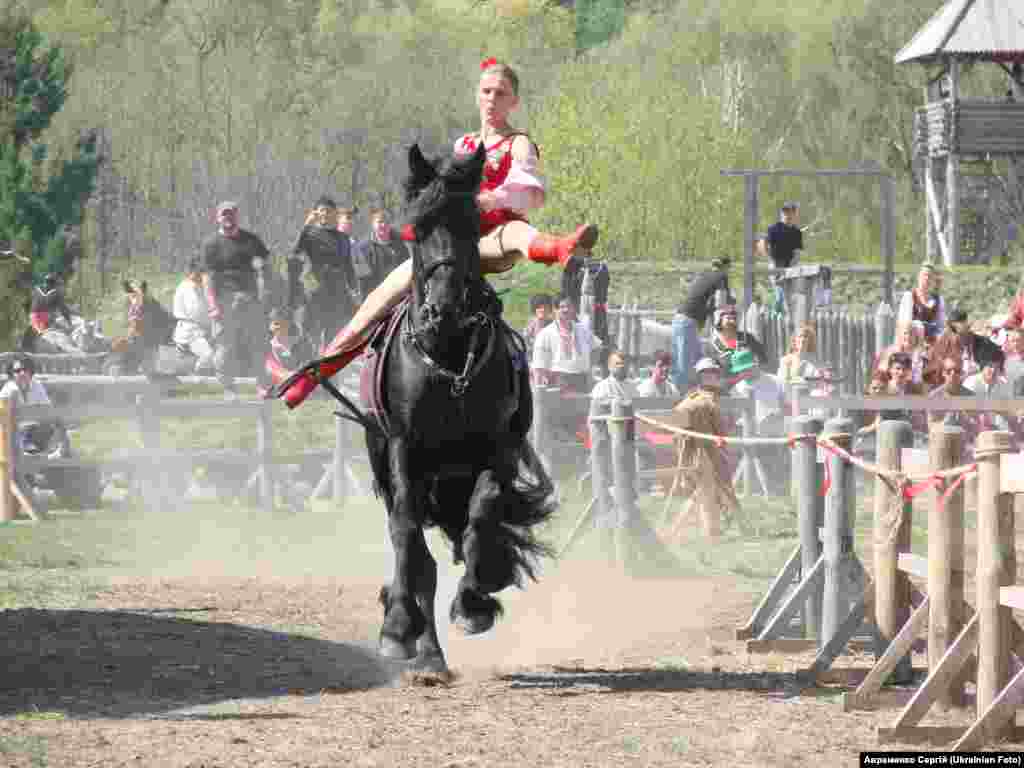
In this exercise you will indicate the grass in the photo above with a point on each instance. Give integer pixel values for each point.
(32, 749)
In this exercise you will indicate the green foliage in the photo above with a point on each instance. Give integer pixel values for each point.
(38, 198)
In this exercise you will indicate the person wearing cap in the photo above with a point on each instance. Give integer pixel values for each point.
(923, 303)
(690, 318)
(710, 486)
(235, 262)
(326, 253)
(284, 351)
(380, 252)
(961, 343)
(192, 312)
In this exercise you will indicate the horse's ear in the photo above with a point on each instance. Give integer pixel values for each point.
(420, 168)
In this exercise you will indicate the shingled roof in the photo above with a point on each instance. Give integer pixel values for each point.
(991, 30)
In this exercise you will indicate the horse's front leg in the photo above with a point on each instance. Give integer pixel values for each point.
(490, 566)
(404, 621)
(429, 655)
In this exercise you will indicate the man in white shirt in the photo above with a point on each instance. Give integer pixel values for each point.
(562, 351)
(192, 311)
(615, 386)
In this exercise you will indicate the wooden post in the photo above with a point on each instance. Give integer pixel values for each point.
(995, 548)
(747, 430)
(945, 559)
(810, 510)
(8, 461)
(838, 543)
(601, 470)
(265, 448)
(952, 228)
(892, 536)
(888, 219)
(885, 326)
(338, 484)
(622, 428)
(750, 206)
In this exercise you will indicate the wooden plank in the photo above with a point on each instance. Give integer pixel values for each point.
(800, 645)
(914, 565)
(900, 646)
(920, 403)
(935, 735)
(991, 725)
(863, 609)
(772, 597)
(965, 646)
(781, 618)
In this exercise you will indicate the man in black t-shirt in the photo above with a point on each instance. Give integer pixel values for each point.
(784, 238)
(236, 263)
(327, 251)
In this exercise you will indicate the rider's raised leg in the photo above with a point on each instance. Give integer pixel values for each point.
(502, 247)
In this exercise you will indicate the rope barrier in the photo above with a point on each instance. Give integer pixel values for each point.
(900, 478)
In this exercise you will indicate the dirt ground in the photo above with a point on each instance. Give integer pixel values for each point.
(254, 646)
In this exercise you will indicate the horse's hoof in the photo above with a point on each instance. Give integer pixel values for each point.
(390, 648)
(473, 625)
(432, 664)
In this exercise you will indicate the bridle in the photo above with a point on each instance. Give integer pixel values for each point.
(478, 321)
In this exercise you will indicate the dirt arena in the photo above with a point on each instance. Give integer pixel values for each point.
(214, 637)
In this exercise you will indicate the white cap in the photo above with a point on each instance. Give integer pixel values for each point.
(707, 364)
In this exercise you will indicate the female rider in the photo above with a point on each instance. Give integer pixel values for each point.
(510, 188)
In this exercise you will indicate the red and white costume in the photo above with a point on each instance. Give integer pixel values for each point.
(509, 179)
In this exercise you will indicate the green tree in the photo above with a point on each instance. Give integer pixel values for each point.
(39, 199)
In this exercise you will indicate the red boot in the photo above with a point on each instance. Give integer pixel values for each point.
(300, 387)
(548, 249)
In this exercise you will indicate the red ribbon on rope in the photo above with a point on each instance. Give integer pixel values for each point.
(954, 485)
(910, 491)
(720, 442)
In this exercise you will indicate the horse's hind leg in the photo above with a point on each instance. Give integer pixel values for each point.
(473, 610)
(404, 621)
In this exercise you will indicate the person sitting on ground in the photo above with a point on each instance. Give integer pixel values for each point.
(23, 388)
(192, 331)
(561, 353)
(923, 303)
(48, 304)
(960, 342)
(799, 364)
(284, 353)
(659, 383)
(543, 310)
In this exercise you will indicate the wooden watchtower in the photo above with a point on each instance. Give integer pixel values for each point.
(959, 140)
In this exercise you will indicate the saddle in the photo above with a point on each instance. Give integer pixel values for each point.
(371, 379)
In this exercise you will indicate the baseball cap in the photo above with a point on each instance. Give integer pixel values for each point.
(227, 205)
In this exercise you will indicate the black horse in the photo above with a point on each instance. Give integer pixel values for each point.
(453, 449)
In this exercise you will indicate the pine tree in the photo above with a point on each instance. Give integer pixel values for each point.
(38, 203)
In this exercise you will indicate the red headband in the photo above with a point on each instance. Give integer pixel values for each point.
(488, 63)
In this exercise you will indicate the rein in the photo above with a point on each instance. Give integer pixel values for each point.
(460, 381)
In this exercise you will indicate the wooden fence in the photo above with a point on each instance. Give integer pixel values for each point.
(143, 402)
